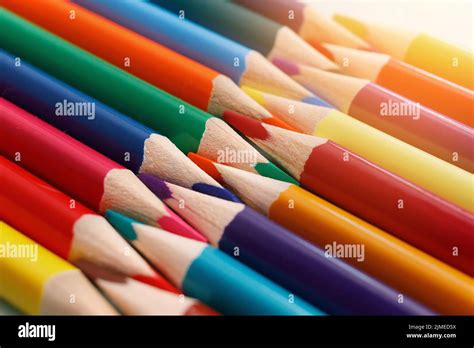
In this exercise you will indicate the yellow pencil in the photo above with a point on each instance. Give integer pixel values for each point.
(421, 50)
(37, 281)
(444, 179)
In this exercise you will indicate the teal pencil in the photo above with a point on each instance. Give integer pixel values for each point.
(208, 274)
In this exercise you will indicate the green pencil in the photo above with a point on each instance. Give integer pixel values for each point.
(189, 128)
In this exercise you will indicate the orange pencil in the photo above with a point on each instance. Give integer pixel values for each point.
(411, 270)
(416, 84)
(162, 67)
(426, 52)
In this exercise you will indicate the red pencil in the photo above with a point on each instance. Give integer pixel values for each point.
(391, 113)
(368, 191)
(82, 172)
(70, 230)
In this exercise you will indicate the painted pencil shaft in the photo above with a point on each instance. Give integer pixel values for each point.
(66, 227)
(80, 171)
(282, 256)
(332, 228)
(101, 127)
(242, 65)
(39, 282)
(416, 84)
(368, 191)
(251, 29)
(306, 21)
(176, 74)
(135, 298)
(429, 53)
(445, 180)
(200, 132)
(209, 275)
(391, 113)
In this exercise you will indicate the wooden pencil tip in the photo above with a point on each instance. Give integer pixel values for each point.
(249, 127)
(207, 165)
(355, 26)
(278, 123)
(286, 66)
(156, 185)
(123, 224)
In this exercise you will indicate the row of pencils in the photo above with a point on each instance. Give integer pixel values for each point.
(200, 157)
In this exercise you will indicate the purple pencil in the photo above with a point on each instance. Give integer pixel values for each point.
(328, 283)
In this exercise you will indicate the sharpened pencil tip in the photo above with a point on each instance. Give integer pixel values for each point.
(156, 185)
(286, 66)
(122, 223)
(215, 191)
(249, 127)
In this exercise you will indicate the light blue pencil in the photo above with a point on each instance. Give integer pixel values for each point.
(243, 65)
(208, 274)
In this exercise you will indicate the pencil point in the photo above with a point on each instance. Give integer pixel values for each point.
(286, 66)
(216, 192)
(122, 223)
(247, 126)
(156, 185)
(270, 170)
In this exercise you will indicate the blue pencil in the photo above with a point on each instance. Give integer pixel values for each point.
(243, 65)
(115, 135)
(208, 274)
(328, 283)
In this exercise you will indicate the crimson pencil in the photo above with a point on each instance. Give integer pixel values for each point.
(82, 172)
(368, 191)
(391, 113)
(70, 230)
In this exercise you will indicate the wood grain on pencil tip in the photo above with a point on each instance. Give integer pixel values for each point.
(128, 94)
(429, 53)
(208, 274)
(102, 128)
(66, 227)
(82, 172)
(368, 191)
(207, 47)
(324, 224)
(189, 80)
(416, 84)
(392, 113)
(253, 30)
(41, 283)
(279, 254)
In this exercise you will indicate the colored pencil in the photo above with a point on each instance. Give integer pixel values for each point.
(282, 256)
(41, 283)
(416, 84)
(368, 191)
(105, 130)
(136, 298)
(81, 172)
(174, 73)
(69, 230)
(419, 49)
(445, 180)
(189, 128)
(324, 224)
(305, 19)
(208, 274)
(240, 63)
(391, 113)
(250, 29)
